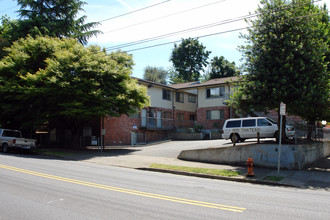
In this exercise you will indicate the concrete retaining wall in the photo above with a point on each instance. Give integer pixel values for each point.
(195, 136)
(264, 155)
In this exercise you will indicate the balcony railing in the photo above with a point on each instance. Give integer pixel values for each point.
(152, 123)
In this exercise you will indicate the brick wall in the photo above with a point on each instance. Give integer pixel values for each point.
(212, 124)
(118, 131)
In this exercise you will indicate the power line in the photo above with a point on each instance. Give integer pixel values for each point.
(207, 35)
(187, 30)
(159, 18)
(131, 12)
(182, 31)
(8, 9)
(218, 33)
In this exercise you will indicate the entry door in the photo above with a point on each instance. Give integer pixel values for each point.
(159, 119)
(143, 118)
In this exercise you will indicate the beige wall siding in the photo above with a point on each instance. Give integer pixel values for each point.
(186, 106)
(204, 102)
(156, 98)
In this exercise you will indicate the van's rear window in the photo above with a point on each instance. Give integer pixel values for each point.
(233, 124)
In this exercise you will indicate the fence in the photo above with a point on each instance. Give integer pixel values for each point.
(317, 132)
(156, 123)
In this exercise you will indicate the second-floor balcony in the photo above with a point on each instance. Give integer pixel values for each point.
(151, 123)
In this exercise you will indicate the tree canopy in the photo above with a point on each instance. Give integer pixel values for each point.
(189, 59)
(44, 78)
(57, 18)
(47, 18)
(287, 60)
(155, 74)
(221, 67)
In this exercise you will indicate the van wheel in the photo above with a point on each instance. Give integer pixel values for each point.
(234, 137)
(5, 148)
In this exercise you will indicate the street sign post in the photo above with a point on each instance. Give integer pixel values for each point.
(282, 112)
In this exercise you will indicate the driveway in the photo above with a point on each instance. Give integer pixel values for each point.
(173, 148)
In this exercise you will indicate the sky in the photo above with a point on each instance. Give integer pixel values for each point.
(154, 25)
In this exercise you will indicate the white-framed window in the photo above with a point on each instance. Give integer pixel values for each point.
(215, 92)
(215, 114)
(191, 98)
(179, 97)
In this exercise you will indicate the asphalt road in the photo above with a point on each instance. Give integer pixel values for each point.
(33, 187)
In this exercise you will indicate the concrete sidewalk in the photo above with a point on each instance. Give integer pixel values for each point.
(316, 176)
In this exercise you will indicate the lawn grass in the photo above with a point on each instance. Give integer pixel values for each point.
(218, 172)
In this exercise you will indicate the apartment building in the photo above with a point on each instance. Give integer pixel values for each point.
(173, 108)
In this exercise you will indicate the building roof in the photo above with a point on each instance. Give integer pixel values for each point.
(217, 81)
(192, 85)
(211, 82)
(184, 85)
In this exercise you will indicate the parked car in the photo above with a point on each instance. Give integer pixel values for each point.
(12, 139)
(239, 129)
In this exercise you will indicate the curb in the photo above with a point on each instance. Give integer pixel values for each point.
(234, 179)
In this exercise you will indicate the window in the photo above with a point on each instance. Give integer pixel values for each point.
(179, 97)
(263, 122)
(233, 124)
(192, 117)
(166, 94)
(180, 117)
(7, 133)
(249, 123)
(215, 92)
(191, 98)
(214, 114)
(167, 115)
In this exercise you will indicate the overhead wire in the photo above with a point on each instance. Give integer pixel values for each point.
(212, 34)
(182, 31)
(188, 30)
(131, 12)
(159, 18)
(9, 9)
(207, 35)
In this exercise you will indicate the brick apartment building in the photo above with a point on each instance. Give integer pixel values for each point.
(173, 108)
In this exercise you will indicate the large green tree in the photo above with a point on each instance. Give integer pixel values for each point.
(221, 67)
(46, 18)
(286, 60)
(44, 78)
(155, 74)
(189, 58)
(57, 18)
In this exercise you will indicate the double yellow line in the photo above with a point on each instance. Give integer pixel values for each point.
(127, 191)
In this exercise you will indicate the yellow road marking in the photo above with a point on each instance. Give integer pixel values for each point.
(127, 191)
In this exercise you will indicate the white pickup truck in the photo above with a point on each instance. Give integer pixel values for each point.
(12, 139)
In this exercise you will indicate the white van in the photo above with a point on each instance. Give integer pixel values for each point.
(244, 128)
